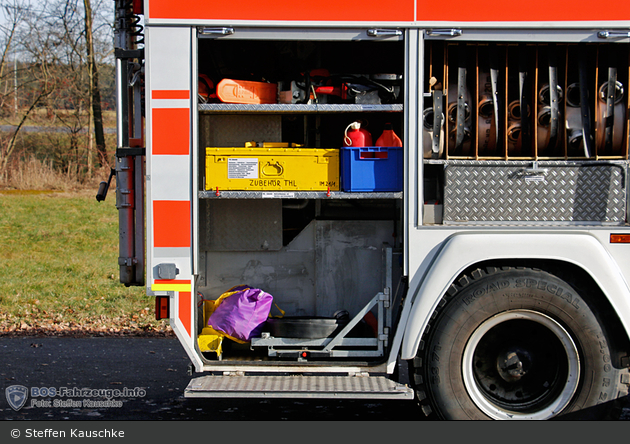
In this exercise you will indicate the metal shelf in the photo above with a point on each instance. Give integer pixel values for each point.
(279, 108)
(297, 195)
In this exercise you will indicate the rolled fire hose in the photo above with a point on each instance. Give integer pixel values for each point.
(486, 127)
(514, 131)
(427, 135)
(466, 143)
(547, 133)
(573, 95)
(619, 115)
(462, 99)
(575, 136)
(488, 106)
(514, 138)
(453, 111)
(543, 121)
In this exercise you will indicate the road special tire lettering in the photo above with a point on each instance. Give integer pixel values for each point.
(515, 343)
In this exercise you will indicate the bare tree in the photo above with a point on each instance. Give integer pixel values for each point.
(60, 44)
(94, 91)
(36, 76)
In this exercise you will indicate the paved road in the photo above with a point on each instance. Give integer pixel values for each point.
(159, 367)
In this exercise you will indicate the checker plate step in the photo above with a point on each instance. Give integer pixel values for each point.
(331, 387)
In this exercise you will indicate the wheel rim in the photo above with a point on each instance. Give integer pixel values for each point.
(521, 364)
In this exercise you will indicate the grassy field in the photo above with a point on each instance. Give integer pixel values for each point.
(59, 272)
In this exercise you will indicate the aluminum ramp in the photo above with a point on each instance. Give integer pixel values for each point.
(329, 387)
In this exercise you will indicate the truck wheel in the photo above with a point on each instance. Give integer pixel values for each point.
(515, 344)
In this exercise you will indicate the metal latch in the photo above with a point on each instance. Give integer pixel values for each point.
(384, 32)
(453, 32)
(535, 169)
(535, 173)
(216, 31)
(612, 34)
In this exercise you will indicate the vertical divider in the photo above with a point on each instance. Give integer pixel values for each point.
(475, 97)
(534, 112)
(564, 106)
(447, 148)
(504, 111)
(596, 130)
(627, 119)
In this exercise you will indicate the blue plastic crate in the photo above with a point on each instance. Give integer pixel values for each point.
(372, 168)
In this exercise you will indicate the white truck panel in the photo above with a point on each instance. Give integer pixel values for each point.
(461, 250)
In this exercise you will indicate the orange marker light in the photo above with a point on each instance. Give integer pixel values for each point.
(620, 238)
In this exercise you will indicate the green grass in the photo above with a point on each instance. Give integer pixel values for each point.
(58, 268)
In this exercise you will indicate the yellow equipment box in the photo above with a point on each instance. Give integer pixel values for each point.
(272, 169)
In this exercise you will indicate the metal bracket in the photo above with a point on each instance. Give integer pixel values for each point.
(584, 106)
(120, 53)
(461, 97)
(524, 95)
(438, 123)
(130, 151)
(494, 82)
(554, 98)
(611, 93)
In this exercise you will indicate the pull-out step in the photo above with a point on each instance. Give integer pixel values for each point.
(333, 387)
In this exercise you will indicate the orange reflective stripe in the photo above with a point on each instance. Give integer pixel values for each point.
(184, 309)
(170, 94)
(171, 223)
(171, 131)
(281, 10)
(397, 11)
(536, 11)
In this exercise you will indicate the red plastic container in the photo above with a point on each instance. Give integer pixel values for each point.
(357, 136)
(389, 137)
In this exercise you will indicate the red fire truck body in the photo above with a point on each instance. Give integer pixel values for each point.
(481, 268)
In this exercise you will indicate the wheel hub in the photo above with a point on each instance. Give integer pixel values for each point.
(521, 364)
(513, 364)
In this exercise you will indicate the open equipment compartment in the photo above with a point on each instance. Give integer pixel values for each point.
(326, 256)
(545, 79)
(530, 132)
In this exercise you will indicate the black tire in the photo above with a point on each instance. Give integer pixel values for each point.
(515, 344)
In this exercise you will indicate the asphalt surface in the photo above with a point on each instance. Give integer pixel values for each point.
(154, 373)
(159, 368)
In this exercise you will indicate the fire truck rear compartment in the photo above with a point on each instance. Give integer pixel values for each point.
(319, 255)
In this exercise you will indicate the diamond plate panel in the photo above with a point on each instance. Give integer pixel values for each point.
(514, 193)
(241, 225)
(337, 387)
(229, 130)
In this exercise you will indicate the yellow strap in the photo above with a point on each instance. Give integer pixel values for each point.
(279, 309)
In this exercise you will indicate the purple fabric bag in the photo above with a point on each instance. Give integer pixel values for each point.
(242, 314)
